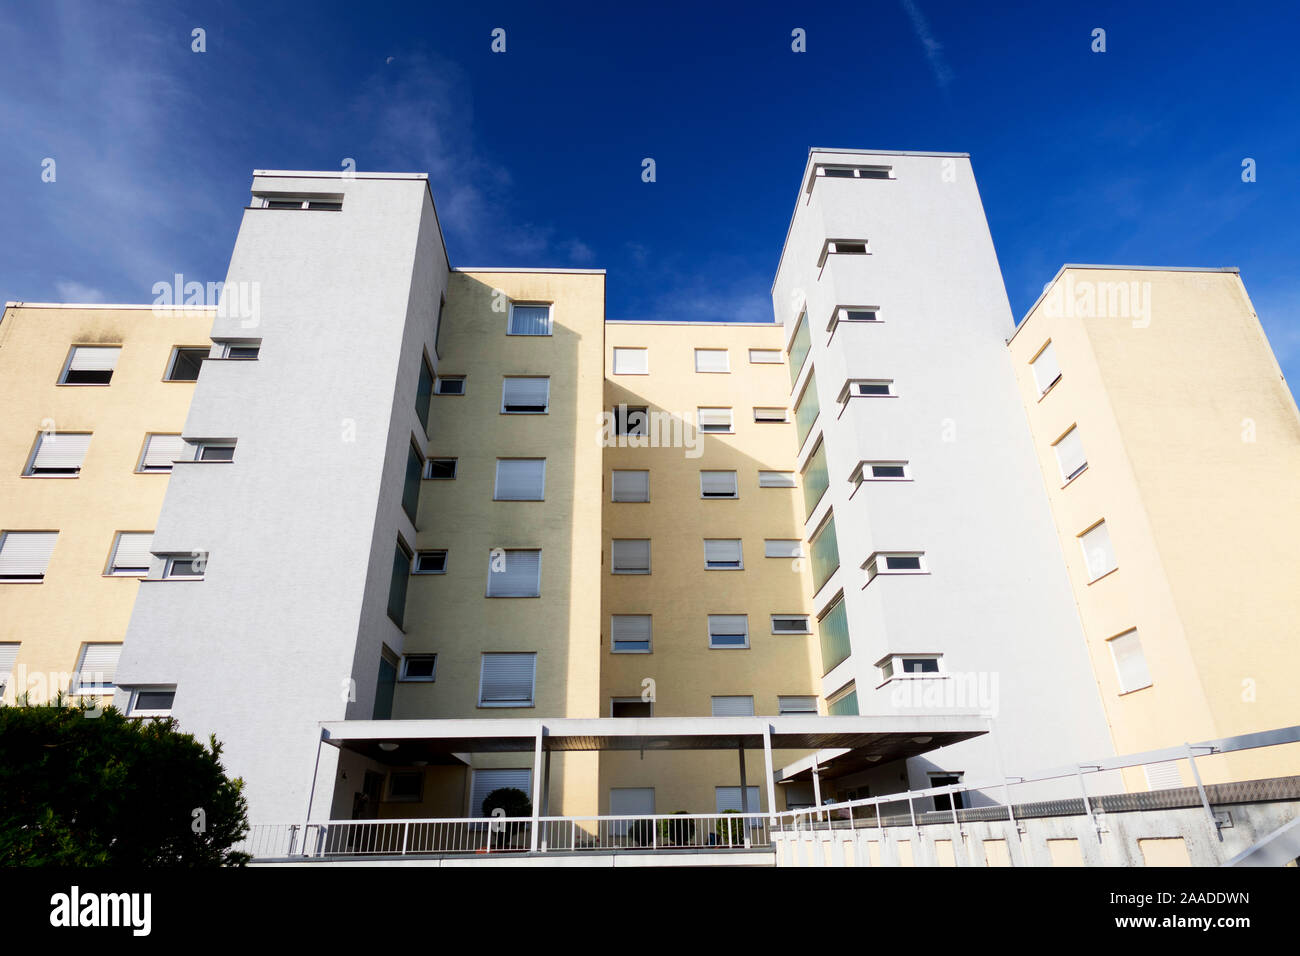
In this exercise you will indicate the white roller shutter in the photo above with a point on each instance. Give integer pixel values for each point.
(631, 801)
(485, 781)
(1046, 371)
(60, 451)
(630, 486)
(516, 573)
(132, 552)
(631, 361)
(630, 554)
(94, 358)
(712, 360)
(733, 706)
(8, 654)
(525, 394)
(1098, 552)
(26, 554)
(1163, 776)
(722, 552)
(98, 666)
(161, 450)
(1070, 455)
(507, 679)
(715, 419)
(728, 798)
(797, 705)
(630, 632)
(783, 548)
(776, 479)
(520, 479)
(766, 356)
(1130, 662)
(765, 414)
(728, 630)
(718, 484)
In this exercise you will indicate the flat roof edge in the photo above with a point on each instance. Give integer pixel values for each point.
(535, 269)
(886, 152)
(109, 305)
(332, 174)
(743, 325)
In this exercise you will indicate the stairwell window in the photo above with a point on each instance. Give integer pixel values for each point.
(532, 318)
(131, 555)
(1130, 663)
(514, 573)
(825, 550)
(728, 630)
(1098, 552)
(719, 484)
(630, 633)
(185, 362)
(525, 396)
(90, 365)
(57, 455)
(1070, 457)
(800, 346)
(807, 408)
(723, 554)
(1046, 370)
(507, 680)
(25, 555)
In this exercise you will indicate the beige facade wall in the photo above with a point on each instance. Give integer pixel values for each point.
(78, 603)
(1193, 446)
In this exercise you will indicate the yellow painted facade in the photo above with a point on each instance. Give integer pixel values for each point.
(1192, 441)
(77, 602)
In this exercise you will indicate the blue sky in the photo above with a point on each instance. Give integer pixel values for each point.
(1130, 156)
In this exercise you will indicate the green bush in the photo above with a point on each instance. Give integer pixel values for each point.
(677, 832)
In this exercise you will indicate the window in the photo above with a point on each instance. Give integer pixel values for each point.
(899, 666)
(712, 360)
(406, 786)
(8, 654)
(24, 555)
(631, 361)
(729, 798)
(131, 556)
(430, 562)
(515, 573)
(484, 782)
(385, 684)
(629, 486)
(880, 471)
(520, 479)
(437, 329)
(816, 479)
(800, 345)
(719, 484)
(807, 408)
(329, 202)
(160, 451)
(628, 707)
(796, 705)
(825, 551)
(96, 667)
(419, 667)
(833, 629)
(944, 801)
(852, 314)
(58, 455)
(1069, 454)
(506, 680)
(241, 351)
(732, 707)
(763, 414)
(631, 420)
(630, 556)
(397, 583)
(185, 567)
(776, 479)
(716, 420)
(1130, 662)
(1046, 371)
(867, 388)
(185, 363)
(215, 451)
(151, 702)
(729, 630)
(844, 702)
(894, 562)
(440, 469)
(632, 802)
(451, 384)
(1098, 553)
(782, 548)
(765, 357)
(411, 481)
(842, 247)
(630, 633)
(525, 396)
(531, 319)
(424, 393)
(790, 624)
(723, 554)
(821, 171)
(90, 365)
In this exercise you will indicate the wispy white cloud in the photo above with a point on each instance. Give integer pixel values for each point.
(933, 48)
(72, 291)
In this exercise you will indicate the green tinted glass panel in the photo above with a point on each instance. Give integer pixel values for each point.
(846, 706)
(411, 485)
(834, 631)
(397, 586)
(799, 346)
(815, 479)
(424, 393)
(805, 413)
(825, 554)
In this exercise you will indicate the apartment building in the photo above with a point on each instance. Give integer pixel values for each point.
(1169, 445)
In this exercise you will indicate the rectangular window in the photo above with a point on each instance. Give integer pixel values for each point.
(729, 798)
(844, 703)
(796, 705)
(852, 314)
(397, 583)
(833, 629)
(406, 786)
(723, 554)
(1098, 552)
(424, 393)
(506, 680)
(766, 414)
(411, 481)
(1130, 662)
(630, 633)
(440, 469)
(385, 684)
(161, 451)
(867, 388)
(719, 484)
(525, 396)
(484, 782)
(631, 420)
(419, 667)
(185, 567)
(790, 624)
(8, 654)
(728, 630)
(880, 471)
(185, 362)
(712, 360)
(821, 171)
(516, 572)
(776, 479)
(96, 667)
(328, 202)
(732, 707)
(897, 666)
(630, 707)
(816, 479)
(151, 702)
(807, 408)
(1069, 454)
(241, 350)
(430, 562)
(782, 548)
(451, 384)
(215, 451)
(717, 420)
(629, 486)
(630, 556)
(90, 365)
(631, 361)
(800, 345)
(520, 479)
(131, 555)
(765, 357)
(1046, 371)
(842, 247)
(825, 552)
(58, 454)
(894, 562)
(531, 319)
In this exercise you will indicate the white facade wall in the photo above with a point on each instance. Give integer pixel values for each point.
(996, 601)
(285, 629)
